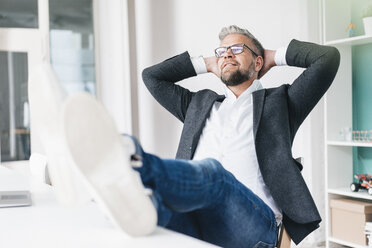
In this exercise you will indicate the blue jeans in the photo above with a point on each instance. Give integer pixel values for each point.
(203, 200)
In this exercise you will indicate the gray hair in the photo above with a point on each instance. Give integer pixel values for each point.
(233, 29)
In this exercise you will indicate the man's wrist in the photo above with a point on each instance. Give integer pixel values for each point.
(199, 64)
(280, 56)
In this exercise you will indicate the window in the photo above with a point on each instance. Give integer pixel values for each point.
(14, 112)
(72, 44)
(71, 47)
(18, 14)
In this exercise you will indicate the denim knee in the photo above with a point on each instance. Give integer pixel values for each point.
(211, 164)
(211, 168)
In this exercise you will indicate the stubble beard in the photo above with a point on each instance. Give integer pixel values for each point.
(237, 77)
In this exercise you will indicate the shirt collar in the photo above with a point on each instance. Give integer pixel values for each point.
(256, 85)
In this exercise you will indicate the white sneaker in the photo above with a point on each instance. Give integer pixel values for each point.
(100, 155)
(46, 96)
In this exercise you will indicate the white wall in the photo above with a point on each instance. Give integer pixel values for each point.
(165, 28)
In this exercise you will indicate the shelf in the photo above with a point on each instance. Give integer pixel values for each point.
(347, 192)
(353, 41)
(341, 242)
(349, 143)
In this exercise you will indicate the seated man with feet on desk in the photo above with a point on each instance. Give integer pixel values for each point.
(234, 181)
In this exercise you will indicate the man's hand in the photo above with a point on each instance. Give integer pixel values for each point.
(212, 66)
(269, 62)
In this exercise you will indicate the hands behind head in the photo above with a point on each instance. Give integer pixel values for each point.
(212, 65)
(269, 62)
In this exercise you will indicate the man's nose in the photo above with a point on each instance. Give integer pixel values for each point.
(228, 53)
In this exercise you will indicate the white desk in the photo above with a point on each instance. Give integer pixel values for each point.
(48, 224)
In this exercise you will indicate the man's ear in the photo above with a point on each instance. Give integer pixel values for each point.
(258, 63)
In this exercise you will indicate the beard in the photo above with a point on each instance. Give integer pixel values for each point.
(237, 77)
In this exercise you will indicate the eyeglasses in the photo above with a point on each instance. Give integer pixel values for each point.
(235, 49)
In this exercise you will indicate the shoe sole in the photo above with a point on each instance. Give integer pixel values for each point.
(100, 155)
(46, 97)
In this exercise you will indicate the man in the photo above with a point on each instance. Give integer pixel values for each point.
(250, 130)
(234, 180)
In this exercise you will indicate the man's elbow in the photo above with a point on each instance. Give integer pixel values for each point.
(146, 75)
(333, 63)
(335, 57)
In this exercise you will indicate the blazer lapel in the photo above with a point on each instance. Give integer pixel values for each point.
(258, 102)
(197, 114)
(201, 114)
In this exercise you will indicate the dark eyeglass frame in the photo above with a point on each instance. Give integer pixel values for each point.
(229, 47)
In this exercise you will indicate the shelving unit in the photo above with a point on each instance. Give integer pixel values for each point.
(353, 41)
(349, 143)
(346, 192)
(339, 109)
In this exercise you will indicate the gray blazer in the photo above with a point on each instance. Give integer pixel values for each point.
(277, 115)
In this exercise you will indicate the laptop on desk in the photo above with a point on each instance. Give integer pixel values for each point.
(14, 189)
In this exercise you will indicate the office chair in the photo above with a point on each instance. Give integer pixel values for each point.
(284, 241)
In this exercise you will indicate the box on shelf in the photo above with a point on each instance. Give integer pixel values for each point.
(348, 220)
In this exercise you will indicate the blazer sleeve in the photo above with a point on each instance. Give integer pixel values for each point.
(321, 63)
(160, 80)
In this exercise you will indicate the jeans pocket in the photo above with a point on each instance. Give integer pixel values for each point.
(261, 244)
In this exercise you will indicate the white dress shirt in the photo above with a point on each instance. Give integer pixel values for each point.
(228, 136)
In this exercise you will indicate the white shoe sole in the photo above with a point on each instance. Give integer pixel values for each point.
(46, 97)
(100, 155)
